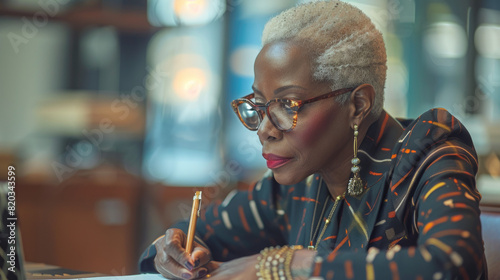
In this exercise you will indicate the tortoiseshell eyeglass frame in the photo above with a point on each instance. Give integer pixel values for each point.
(294, 105)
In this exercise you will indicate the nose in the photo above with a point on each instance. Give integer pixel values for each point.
(267, 131)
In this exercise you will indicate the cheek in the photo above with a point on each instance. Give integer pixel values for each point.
(315, 129)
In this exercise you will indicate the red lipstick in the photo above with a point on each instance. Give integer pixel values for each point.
(274, 161)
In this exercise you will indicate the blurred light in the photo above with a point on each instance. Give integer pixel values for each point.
(184, 121)
(189, 76)
(242, 60)
(184, 12)
(190, 8)
(487, 40)
(446, 40)
(188, 83)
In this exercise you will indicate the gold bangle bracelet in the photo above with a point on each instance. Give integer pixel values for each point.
(288, 261)
(275, 263)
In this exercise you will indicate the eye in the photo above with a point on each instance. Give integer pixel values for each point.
(258, 98)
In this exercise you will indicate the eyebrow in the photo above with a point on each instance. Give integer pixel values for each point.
(278, 90)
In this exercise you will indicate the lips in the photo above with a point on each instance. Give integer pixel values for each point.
(274, 161)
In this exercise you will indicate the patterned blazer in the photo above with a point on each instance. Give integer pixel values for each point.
(417, 219)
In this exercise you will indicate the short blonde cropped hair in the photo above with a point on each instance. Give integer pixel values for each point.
(346, 47)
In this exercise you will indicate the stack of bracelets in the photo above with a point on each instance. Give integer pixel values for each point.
(274, 263)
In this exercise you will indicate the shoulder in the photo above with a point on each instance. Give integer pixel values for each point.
(434, 146)
(434, 128)
(436, 124)
(435, 138)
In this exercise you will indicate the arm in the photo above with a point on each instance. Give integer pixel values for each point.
(225, 227)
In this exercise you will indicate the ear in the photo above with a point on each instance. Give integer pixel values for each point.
(361, 103)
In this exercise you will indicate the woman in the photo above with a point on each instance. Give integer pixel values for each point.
(362, 195)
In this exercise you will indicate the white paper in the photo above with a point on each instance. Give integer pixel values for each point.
(130, 277)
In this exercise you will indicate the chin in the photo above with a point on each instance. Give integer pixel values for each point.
(287, 178)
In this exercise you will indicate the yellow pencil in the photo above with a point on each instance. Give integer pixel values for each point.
(195, 213)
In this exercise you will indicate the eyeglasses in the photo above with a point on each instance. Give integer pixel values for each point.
(282, 112)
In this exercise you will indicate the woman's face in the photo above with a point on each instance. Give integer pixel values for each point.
(322, 138)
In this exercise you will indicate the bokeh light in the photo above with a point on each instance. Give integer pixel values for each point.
(487, 40)
(446, 40)
(188, 83)
(185, 12)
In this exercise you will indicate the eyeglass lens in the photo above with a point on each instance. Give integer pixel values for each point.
(249, 115)
(280, 113)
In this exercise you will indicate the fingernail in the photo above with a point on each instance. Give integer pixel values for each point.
(202, 273)
(186, 275)
(188, 265)
(196, 263)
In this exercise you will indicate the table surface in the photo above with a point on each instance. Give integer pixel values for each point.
(46, 271)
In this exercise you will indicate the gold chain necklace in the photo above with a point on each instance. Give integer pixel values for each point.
(327, 222)
(312, 235)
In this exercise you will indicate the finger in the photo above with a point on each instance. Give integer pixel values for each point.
(199, 272)
(200, 255)
(161, 263)
(161, 255)
(166, 262)
(163, 271)
(180, 271)
(174, 246)
(171, 269)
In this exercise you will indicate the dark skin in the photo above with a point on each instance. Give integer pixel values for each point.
(320, 143)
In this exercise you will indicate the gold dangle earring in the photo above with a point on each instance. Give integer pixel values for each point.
(355, 186)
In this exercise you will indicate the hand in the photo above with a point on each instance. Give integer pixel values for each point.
(172, 261)
(241, 268)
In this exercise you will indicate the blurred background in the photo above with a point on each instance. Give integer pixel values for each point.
(114, 111)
